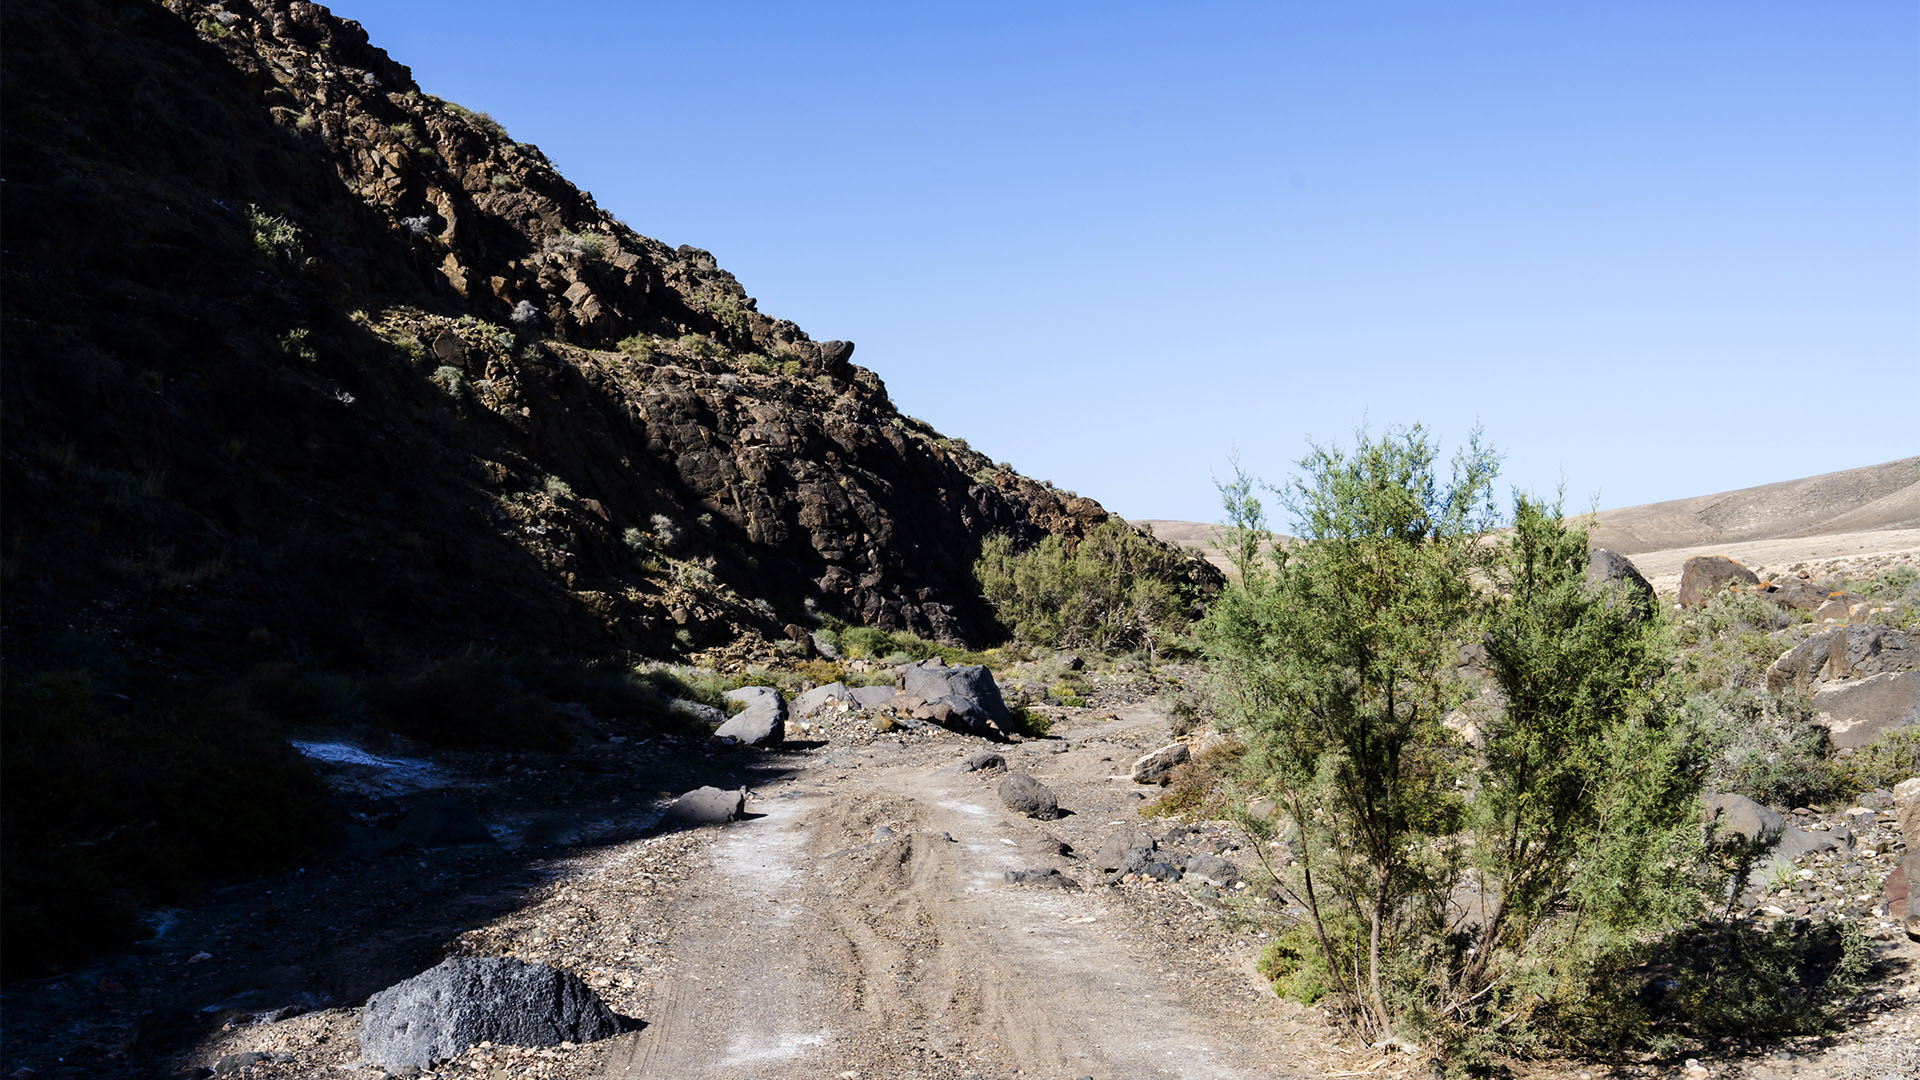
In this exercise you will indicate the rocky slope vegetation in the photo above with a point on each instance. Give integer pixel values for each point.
(313, 379)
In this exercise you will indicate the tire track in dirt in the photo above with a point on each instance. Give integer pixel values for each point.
(870, 928)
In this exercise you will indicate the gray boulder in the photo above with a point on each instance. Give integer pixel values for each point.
(1125, 852)
(1213, 870)
(984, 712)
(1857, 711)
(1154, 768)
(1799, 667)
(1024, 794)
(872, 697)
(762, 723)
(1706, 576)
(1838, 608)
(708, 806)
(1859, 651)
(466, 1000)
(1742, 817)
(985, 759)
(821, 698)
(1613, 571)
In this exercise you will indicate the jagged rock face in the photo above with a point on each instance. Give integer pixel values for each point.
(302, 358)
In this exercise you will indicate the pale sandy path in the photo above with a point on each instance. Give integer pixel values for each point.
(814, 945)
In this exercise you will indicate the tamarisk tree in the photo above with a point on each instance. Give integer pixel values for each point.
(1444, 885)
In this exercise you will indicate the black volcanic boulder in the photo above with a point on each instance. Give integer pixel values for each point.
(968, 691)
(1706, 576)
(1023, 794)
(466, 1000)
(1613, 571)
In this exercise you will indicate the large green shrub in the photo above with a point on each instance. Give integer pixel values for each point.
(1115, 589)
(1575, 827)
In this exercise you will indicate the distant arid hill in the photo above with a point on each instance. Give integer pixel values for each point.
(1858, 516)
(1869, 499)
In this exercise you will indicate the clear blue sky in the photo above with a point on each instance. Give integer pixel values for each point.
(1656, 249)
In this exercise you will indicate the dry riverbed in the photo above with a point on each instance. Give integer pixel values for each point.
(859, 923)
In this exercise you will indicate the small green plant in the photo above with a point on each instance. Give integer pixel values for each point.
(295, 344)
(276, 237)
(479, 120)
(503, 182)
(639, 346)
(700, 346)
(1295, 965)
(593, 247)
(214, 28)
(556, 488)
(449, 378)
(1888, 759)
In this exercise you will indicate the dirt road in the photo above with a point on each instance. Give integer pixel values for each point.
(865, 924)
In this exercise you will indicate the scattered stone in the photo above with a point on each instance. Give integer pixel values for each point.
(763, 722)
(1157, 766)
(708, 806)
(1704, 576)
(1125, 852)
(467, 1000)
(985, 759)
(1024, 794)
(1263, 809)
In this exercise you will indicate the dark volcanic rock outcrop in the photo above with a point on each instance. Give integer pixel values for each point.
(299, 351)
(325, 400)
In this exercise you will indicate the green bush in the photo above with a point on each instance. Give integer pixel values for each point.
(1717, 982)
(1295, 965)
(1892, 757)
(1764, 746)
(1113, 590)
(1577, 821)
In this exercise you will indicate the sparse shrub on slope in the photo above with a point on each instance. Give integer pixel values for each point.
(1113, 590)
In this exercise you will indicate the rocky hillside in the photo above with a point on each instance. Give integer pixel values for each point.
(328, 405)
(303, 359)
